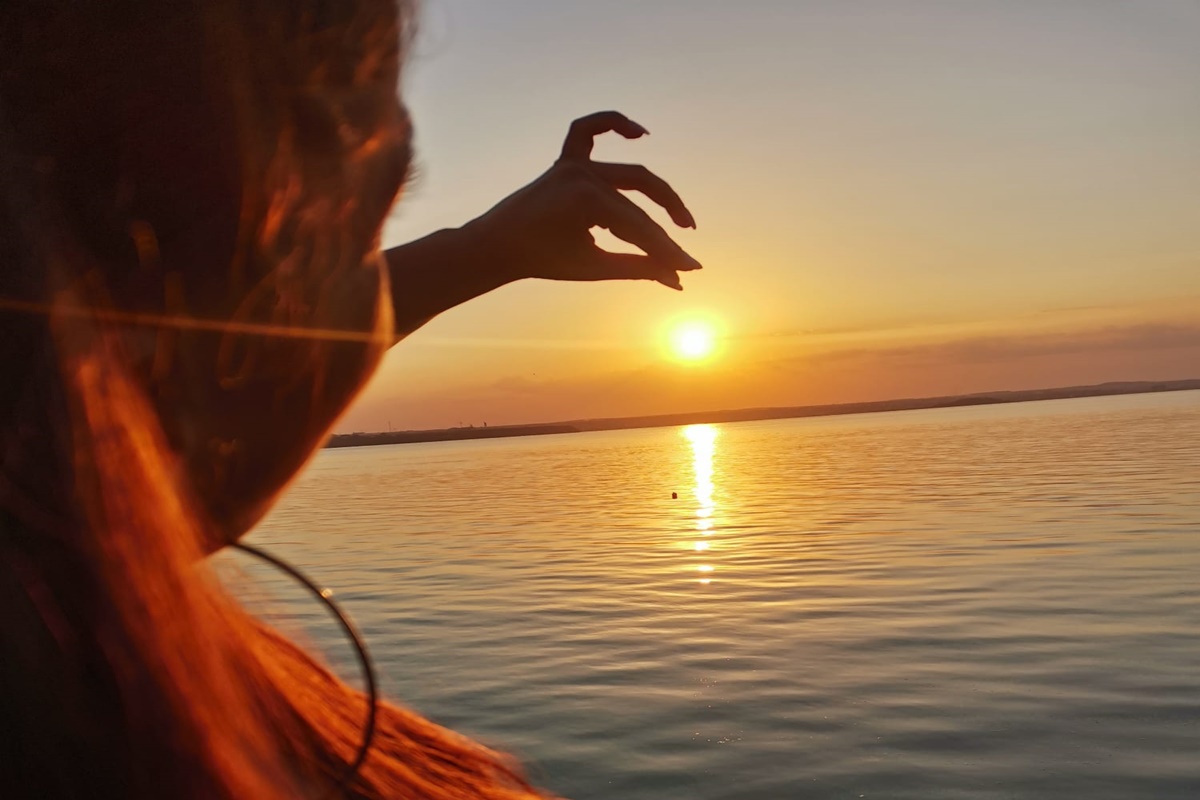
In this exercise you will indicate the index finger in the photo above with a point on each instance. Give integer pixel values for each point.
(578, 144)
(639, 179)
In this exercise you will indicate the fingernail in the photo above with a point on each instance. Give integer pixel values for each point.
(641, 130)
(691, 263)
(691, 220)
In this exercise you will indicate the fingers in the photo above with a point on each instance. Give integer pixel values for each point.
(603, 205)
(578, 144)
(616, 212)
(630, 266)
(637, 178)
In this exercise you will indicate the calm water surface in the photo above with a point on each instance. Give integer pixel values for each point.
(989, 602)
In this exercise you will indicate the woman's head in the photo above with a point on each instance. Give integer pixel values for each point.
(190, 188)
(226, 165)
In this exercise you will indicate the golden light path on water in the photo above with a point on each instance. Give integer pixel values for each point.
(703, 439)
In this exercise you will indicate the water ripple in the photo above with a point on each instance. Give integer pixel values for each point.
(993, 602)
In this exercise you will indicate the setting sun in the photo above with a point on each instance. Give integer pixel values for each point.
(693, 341)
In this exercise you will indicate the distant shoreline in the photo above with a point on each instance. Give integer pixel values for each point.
(751, 414)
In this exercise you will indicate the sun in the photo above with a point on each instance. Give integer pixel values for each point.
(693, 341)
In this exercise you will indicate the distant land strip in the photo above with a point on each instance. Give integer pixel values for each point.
(750, 414)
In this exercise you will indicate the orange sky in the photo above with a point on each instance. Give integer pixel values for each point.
(894, 199)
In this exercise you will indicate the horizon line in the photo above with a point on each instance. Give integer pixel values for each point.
(748, 414)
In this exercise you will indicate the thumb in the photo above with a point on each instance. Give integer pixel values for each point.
(632, 266)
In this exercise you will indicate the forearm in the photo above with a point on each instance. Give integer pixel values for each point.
(440, 271)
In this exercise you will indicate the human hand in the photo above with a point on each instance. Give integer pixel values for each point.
(542, 230)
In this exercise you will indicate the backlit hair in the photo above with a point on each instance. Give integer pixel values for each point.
(191, 201)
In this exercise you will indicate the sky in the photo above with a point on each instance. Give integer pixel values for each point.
(895, 198)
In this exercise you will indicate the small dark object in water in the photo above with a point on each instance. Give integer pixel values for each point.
(674, 495)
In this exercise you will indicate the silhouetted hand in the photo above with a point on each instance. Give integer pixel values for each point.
(542, 230)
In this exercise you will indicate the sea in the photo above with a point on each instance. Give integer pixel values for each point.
(976, 603)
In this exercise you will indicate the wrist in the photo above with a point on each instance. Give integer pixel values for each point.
(488, 251)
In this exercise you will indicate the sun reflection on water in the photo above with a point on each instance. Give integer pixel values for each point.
(703, 439)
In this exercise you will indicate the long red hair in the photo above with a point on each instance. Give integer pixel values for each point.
(192, 198)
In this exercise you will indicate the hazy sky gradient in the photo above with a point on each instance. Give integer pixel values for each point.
(894, 198)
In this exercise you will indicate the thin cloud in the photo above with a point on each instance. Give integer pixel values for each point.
(498, 343)
(1006, 348)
